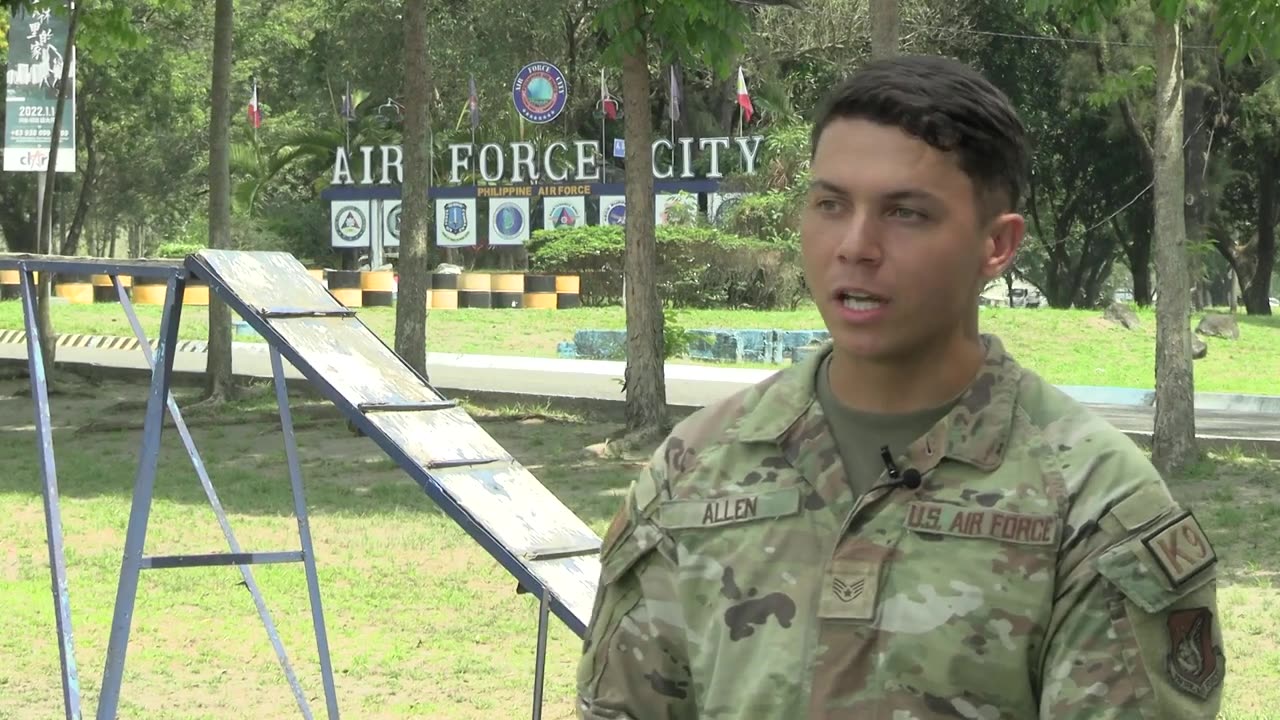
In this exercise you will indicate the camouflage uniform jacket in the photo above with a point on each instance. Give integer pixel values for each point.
(1041, 570)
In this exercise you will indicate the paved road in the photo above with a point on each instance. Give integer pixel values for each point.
(687, 386)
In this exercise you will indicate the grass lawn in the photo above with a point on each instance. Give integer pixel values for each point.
(422, 623)
(1068, 347)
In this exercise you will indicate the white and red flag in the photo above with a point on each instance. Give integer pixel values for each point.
(744, 99)
(607, 102)
(255, 111)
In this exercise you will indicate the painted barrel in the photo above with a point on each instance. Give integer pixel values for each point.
(195, 293)
(74, 288)
(475, 299)
(474, 282)
(150, 290)
(568, 292)
(345, 287)
(444, 291)
(508, 290)
(475, 290)
(444, 299)
(10, 285)
(104, 291)
(540, 292)
(378, 288)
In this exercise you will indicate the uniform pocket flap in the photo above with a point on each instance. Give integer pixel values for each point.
(618, 559)
(1160, 566)
(728, 509)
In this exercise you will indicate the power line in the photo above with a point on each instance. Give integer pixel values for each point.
(1048, 38)
(1144, 190)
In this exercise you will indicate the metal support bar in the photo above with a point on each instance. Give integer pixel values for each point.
(461, 462)
(573, 547)
(406, 407)
(156, 562)
(540, 661)
(52, 509)
(140, 512)
(221, 515)
(304, 532)
(280, 313)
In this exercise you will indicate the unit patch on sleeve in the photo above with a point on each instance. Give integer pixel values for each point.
(1181, 548)
(1195, 664)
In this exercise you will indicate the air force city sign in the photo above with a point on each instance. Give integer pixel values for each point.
(524, 162)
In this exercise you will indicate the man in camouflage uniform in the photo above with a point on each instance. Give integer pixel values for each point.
(908, 524)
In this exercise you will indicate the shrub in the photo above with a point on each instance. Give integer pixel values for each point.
(177, 250)
(698, 266)
(770, 216)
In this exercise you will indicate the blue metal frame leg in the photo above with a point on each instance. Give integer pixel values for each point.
(304, 533)
(139, 514)
(52, 511)
(212, 495)
(540, 662)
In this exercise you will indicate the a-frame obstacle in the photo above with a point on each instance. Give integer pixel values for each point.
(549, 551)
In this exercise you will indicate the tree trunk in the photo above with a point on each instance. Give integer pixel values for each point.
(884, 29)
(1174, 439)
(411, 302)
(218, 378)
(44, 323)
(71, 245)
(646, 403)
(1258, 288)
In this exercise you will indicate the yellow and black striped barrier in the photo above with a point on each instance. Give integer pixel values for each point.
(352, 288)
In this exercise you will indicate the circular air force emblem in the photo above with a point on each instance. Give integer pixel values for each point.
(539, 92)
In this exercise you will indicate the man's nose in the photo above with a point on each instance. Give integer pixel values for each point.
(860, 239)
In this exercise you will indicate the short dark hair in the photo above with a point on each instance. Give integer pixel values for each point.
(947, 104)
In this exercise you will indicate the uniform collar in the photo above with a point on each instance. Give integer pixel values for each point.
(975, 431)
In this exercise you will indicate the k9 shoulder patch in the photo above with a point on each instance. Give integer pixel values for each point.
(1180, 547)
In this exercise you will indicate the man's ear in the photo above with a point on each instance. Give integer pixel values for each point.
(1003, 238)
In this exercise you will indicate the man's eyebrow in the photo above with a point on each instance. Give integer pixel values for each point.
(913, 194)
(826, 186)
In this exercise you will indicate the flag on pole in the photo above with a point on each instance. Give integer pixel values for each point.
(473, 103)
(675, 96)
(744, 100)
(255, 112)
(607, 103)
(348, 106)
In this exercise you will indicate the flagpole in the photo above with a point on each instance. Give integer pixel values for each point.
(673, 116)
(603, 117)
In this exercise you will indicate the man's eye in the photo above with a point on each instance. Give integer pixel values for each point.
(906, 213)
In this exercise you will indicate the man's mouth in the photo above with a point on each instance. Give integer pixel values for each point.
(860, 301)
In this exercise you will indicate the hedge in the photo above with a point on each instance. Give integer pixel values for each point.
(698, 266)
